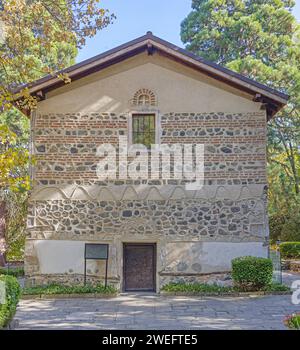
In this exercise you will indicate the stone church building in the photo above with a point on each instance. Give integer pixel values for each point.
(158, 231)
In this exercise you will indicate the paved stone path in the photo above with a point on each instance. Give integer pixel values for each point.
(288, 277)
(142, 311)
(137, 311)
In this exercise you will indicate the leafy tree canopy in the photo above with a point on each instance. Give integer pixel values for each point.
(261, 40)
(41, 37)
(37, 37)
(227, 30)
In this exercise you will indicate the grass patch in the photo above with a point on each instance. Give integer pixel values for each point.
(203, 288)
(53, 289)
(277, 287)
(14, 271)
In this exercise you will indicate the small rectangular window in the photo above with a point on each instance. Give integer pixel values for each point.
(143, 129)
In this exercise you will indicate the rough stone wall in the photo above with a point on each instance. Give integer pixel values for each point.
(69, 202)
(200, 219)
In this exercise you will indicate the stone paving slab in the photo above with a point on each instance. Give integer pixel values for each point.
(150, 311)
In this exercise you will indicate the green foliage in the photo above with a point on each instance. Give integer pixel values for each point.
(244, 33)
(277, 287)
(14, 181)
(18, 123)
(276, 223)
(285, 219)
(291, 228)
(8, 309)
(293, 321)
(14, 161)
(16, 245)
(290, 250)
(48, 34)
(63, 289)
(252, 273)
(261, 40)
(16, 208)
(47, 39)
(15, 271)
(203, 288)
(196, 288)
(14, 144)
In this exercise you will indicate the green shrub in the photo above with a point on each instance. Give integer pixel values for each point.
(203, 288)
(15, 271)
(252, 273)
(293, 321)
(290, 250)
(196, 288)
(62, 289)
(12, 294)
(277, 287)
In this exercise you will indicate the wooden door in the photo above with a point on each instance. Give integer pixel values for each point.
(139, 267)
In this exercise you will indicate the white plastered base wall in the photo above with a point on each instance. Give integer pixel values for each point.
(67, 257)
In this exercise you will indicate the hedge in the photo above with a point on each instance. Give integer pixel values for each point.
(252, 273)
(12, 294)
(290, 250)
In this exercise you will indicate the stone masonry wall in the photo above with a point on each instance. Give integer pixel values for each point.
(65, 145)
(200, 219)
(69, 202)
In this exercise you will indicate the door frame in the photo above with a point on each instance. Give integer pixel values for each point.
(153, 266)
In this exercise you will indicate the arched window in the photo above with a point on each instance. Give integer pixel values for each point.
(144, 97)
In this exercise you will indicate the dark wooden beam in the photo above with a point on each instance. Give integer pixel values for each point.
(257, 98)
(40, 95)
(150, 49)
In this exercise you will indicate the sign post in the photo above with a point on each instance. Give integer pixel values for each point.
(95, 251)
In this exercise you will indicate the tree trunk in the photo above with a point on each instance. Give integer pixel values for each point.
(2, 234)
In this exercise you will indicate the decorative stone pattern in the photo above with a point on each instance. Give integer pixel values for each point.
(144, 97)
(151, 190)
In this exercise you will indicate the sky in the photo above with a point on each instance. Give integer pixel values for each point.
(136, 17)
